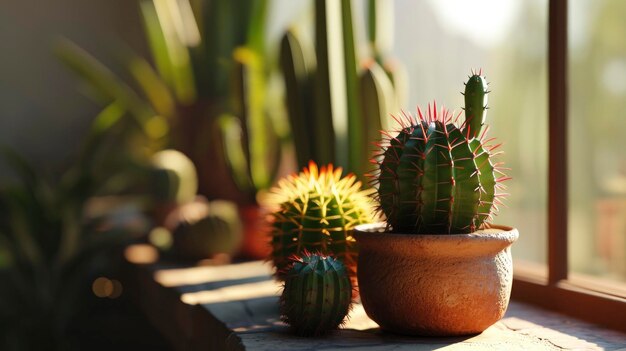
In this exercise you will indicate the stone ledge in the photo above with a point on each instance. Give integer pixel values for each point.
(235, 307)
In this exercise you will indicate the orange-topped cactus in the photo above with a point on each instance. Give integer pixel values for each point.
(317, 210)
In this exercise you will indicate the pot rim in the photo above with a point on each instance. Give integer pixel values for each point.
(377, 230)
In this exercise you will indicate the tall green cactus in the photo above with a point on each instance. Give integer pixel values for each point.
(437, 177)
(334, 106)
(251, 142)
(317, 294)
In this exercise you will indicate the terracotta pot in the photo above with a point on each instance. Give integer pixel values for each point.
(256, 233)
(435, 284)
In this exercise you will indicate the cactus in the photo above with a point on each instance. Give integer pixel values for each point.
(250, 139)
(436, 177)
(203, 229)
(174, 177)
(475, 104)
(333, 115)
(317, 294)
(317, 212)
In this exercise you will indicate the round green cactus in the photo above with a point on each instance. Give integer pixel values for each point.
(436, 177)
(174, 177)
(317, 294)
(317, 211)
(203, 229)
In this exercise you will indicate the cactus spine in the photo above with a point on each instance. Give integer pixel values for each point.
(317, 211)
(437, 177)
(317, 294)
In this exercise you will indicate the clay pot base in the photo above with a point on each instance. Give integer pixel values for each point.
(435, 285)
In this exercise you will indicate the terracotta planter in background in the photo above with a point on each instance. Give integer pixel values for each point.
(435, 284)
(256, 233)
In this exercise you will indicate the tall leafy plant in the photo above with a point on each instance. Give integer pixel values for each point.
(203, 92)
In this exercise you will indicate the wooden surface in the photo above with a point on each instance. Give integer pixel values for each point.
(235, 307)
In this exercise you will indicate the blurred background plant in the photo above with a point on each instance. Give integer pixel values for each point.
(58, 230)
(336, 105)
(209, 62)
(206, 97)
(209, 94)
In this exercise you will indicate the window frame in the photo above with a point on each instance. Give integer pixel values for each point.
(598, 301)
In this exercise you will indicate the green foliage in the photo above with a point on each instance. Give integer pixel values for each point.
(317, 294)
(333, 115)
(436, 177)
(250, 139)
(317, 212)
(205, 95)
(53, 238)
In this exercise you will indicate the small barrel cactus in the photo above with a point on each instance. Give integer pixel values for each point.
(438, 177)
(174, 177)
(317, 294)
(202, 229)
(317, 212)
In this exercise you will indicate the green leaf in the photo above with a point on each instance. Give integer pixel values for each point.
(153, 87)
(256, 29)
(107, 118)
(70, 235)
(156, 41)
(26, 246)
(105, 82)
(163, 23)
(231, 130)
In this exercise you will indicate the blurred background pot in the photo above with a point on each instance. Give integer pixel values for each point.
(256, 232)
(455, 284)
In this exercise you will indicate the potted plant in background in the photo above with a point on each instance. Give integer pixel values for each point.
(187, 225)
(205, 87)
(436, 267)
(60, 229)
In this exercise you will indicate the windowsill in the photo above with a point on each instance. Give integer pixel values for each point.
(236, 307)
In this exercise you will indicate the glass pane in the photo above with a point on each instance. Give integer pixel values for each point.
(440, 41)
(597, 142)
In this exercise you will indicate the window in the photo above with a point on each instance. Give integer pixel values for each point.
(584, 214)
(557, 104)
